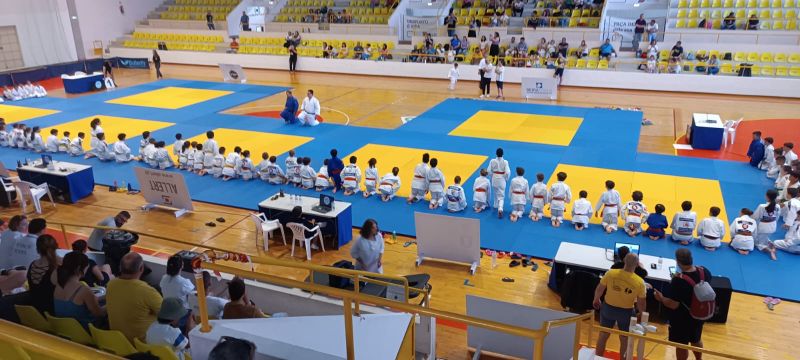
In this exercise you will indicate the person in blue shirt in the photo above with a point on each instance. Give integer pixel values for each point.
(607, 49)
(455, 43)
(335, 166)
(756, 150)
(290, 109)
(656, 223)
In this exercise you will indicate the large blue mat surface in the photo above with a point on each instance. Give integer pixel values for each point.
(606, 139)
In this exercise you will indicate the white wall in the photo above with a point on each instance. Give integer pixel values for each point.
(43, 29)
(758, 86)
(102, 20)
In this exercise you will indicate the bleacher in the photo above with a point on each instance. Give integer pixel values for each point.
(355, 11)
(772, 14)
(186, 42)
(569, 17)
(197, 9)
(307, 48)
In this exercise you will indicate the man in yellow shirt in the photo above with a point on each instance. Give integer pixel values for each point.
(623, 289)
(132, 304)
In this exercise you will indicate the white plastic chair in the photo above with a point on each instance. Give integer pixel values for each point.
(730, 131)
(299, 235)
(264, 226)
(35, 192)
(9, 188)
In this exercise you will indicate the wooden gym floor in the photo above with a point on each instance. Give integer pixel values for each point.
(752, 330)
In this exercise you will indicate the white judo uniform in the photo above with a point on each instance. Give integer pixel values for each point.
(581, 212)
(307, 176)
(322, 181)
(311, 109)
(197, 160)
(122, 153)
(743, 229)
(177, 146)
(210, 149)
(143, 144)
(76, 147)
(52, 144)
(419, 184)
(791, 242)
(351, 177)
(789, 211)
(149, 155)
(769, 158)
(710, 232)
(609, 202)
(371, 180)
(218, 163)
(190, 159)
(162, 158)
(456, 198)
(499, 171)
(233, 163)
(767, 225)
(683, 225)
(63, 144)
(481, 191)
(101, 151)
(389, 185)
(560, 196)
(38, 144)
(539, 196)
(246, 168)
(183, 158)
(275, 174)
(635, 213)
(518, 192)
(262, 171)
(93, 133)
(435, 179)
(3, 138)
(293, 170)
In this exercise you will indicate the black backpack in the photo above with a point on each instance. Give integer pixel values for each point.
(338, 281)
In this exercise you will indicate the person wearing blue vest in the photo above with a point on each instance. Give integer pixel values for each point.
(290, 109)
(756, 150)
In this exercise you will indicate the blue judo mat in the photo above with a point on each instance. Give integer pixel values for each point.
(605, 139)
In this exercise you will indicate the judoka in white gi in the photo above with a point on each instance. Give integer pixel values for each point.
(100, 150)
(500, 172)
(190, 156)
(233, 163)
(149, 153)
(218, 163)
(371, 178)
(177, 146)
(791, 241)
(3, 136)
(275, 174)
(76, 145)
(63, 144)
(37, 143)
(351, 177)
(419, 184)
(455, 196)
(766, 215)
(390, 183)
(635, 213)
(711, 230)
(435, 179)
(307, 174)
(198, 157)
(769, 154)
(52, 143)
(162, 157)
(453, 75)
(481, 192)
(539, 197)
(143, 144)
(310, 110)
(581, 211)
(293, 169)
(774, 171)
(210, 150)
(743, 228)
(183, 155)
(96, 129)
(610, 202)
(560, 196)
(262, 169)
(122, 153)
(790, 207)
(323, 181)
(518, 191)
(683, 224)
(246, 167)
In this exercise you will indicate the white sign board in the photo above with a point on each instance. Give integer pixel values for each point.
(233, 72)
(539, 88)
(418, 25)
(449, 238)
(164, 188)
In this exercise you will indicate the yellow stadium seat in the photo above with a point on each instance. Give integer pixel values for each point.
(767, 70)
(704, 3)
(716, 3)
(740, 56)
(790, 14)
(683, 3)
(794, 71)
(716, 23)
(740, 4)
(694, 3)
(794, 58)
(682, 13)
(714, 53)
(752, 56)
(591, 64)
(777, 25)
(765, 14)
(32, 318)
(10, 351)
(728, 3)
(602, 64)
(779, 58)
(681, 23)
(765, 26)
(594, 53)
(70, 328)
(716, 14)
(766, 57)
(692, 23)
(781, 71)
(111, 341)
(688, 66)
(763, 4)
(752, 3)
(693, 13)
(163, 352)
(726, 68)
(740, 14)
(572, 62)
(580, 64)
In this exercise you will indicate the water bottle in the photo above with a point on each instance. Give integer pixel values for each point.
(660, 262)
(394, 236)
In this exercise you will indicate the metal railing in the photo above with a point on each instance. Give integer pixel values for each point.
(36, 342)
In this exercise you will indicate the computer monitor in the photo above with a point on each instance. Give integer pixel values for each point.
(46, 159)
(326, 202)
(634, 248)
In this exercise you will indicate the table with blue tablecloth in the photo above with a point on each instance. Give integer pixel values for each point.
(81, 83)
(72, 181)
(338, 228)
(706, 131)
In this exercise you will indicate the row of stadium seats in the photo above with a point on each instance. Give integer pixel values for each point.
(740, 24)
(358, 19)
(150, 44)
(264, 41)
(208, 2)
(750, 57)
(167, 15)
(311, 3)
(775, 4)
(179, 37)
(186, 8)
(302, 10)
(741, 14)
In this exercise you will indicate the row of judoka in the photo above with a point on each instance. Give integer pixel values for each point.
(21, 92)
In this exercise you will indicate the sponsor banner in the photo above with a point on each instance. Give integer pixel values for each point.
(133, 63)
(539, 88)
(233, 72)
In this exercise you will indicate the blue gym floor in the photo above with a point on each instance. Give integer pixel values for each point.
(605, 139)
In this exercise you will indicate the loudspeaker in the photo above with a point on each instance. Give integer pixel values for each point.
(721, 286)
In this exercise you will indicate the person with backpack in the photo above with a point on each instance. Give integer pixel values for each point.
(692, 301)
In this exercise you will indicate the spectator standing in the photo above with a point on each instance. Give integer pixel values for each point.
(450, 21)
(132, 304)
(157, 64)
(494, 48)
(517, 8)
(652, 30)
(210, 21)
(623, 290)
(96, 238)
(368, 249)
(485, 74)
(638, 31)
(473, 28)
(683, 327)
(292, 58)
(244, 21)
(561, 63)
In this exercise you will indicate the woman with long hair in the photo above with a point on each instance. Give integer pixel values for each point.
(40, 271)
(766, 215)
(71, 297)
(368, 248)
(157, 64)
(95, 129)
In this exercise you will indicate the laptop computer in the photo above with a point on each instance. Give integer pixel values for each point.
(634, 249)
(325, 204)
(46, 160)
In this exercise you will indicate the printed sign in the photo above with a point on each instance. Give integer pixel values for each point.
(419, 24)
(164, 188)
(233, 72)
(539, 88)
(133, 63)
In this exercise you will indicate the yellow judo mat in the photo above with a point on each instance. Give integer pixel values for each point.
(255, 141)
(667, 190)
(170, 97)
(406, 159)
(112, 127)
(14, 114)
(532, 128)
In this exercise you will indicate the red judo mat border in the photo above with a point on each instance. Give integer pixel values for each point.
(781, 130)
